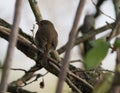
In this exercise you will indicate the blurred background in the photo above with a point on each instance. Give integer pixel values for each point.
(61, 13)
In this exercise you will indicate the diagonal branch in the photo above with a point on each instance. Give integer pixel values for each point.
(35, 9)
(87, 36)
(69, 46)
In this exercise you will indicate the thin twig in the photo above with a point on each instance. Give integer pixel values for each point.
(11, 46)
(82, 80)
(106, 70)
(26, 77)
(37, 77)
(111, 33)
(102, 11)
(72, 35)
(79, 60)
(70, 83)
(73, 86)
(16, 69)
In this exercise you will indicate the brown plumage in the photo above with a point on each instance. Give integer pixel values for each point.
(46, 38)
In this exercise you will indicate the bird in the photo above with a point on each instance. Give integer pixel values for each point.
(46, 39)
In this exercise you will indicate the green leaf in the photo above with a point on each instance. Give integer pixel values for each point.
(117, 43)
(95, 56)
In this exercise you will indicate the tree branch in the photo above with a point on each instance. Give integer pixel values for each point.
(87, 36)
(35, 9)
(69, 46)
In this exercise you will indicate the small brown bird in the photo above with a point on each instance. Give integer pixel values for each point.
(46, 39)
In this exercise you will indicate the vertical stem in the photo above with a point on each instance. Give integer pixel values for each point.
(11, 46)
(117, 7)
(70, 43)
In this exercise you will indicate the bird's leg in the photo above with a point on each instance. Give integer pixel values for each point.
(44, 61)
(39, 58)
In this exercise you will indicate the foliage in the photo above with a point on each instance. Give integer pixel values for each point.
(95, 56)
